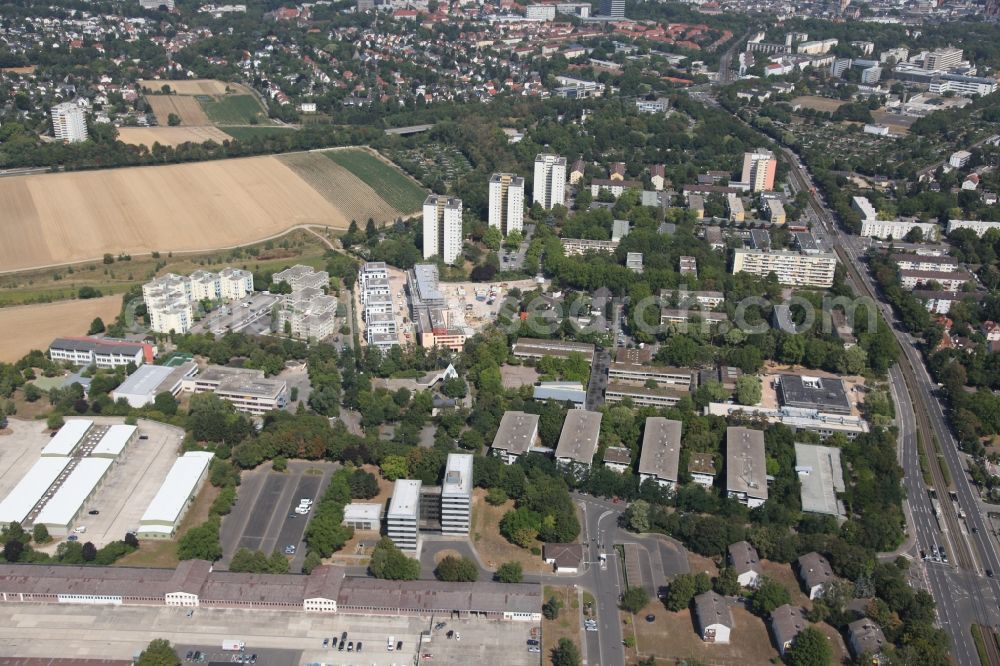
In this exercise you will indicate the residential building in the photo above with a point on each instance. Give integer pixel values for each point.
(578, 440)
(576, 174)
(866, 639)
(69, 122)
(821, 477)
(404, 514)
(633, 262)
(980, 227)
(942, 59)
(302, 277)
(682, 378)
(734, 208)
(614, 187)
(235, 283)
(774, 210)
(786, 623)
(205, 286)
(709, 300)
(443, 228)
(815, 574)
(661, 450)
(864, 207)
(715, 620)
(897, 229)
(372, 273)
(701, 467)
(745, 561)
(825, 394)
(959, 158)
(456, 495)
(614, 9)
(307, 312)
(759, 168)
(539, 348)
(658, 105)
(696, 203)
(564, 557)
(434, 329)
(949, 280)
(746, 471)
(618, 459)
(168, 303)
(549, 188)
(920, 262)
(100, 352)
(791, 268)
(687, 266)
(643, 396)
(247, 389)
(540, 12)
(516, 435)
(156, 4)
(576, 246)
(506, 211)
(682, 317)
(658, 177)
(572, 392)
(619, 230)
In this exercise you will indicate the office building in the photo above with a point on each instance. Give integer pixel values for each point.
(614, 9)
(566, 392)
(456, 495)
(100, 352)
(791, 268)
(943, 59)
(507, 197)
(540, 12)
(142, 386)
(578, 440)
(746, 471)
(549, 188)
(539, 348)
(825, 394)
(247, 389)
(966, 86)
(821, 477)
(404, 514)
(516, 435)
(69, 122)
(661, 450)
(759, 168)
(443, 228)
(641, 373)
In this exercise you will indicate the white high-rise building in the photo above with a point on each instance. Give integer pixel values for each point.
(456, 494)
(235, 283)
(550, 180)
(759, 168)
(507, 202)
(442, 228)
(69, 122)
(403, 517)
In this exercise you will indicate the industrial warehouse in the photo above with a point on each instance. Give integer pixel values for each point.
(327, 589)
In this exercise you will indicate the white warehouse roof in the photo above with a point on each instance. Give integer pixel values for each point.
(114, 441)
(67, 438)
(177, 487)
(62, 508)
(25, 495)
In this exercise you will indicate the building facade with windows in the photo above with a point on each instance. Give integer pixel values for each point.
(443, 228)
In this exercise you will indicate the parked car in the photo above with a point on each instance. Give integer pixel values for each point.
(93, 512)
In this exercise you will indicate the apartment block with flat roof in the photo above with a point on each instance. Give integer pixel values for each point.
(746, 470)
(661, 450)
(791, 268)
(518, 432)
(578, 440)
(539, 348)
(442, 228)
(682, 378)
(549, 188)
(759, 168)
(506, 204)
(403, 517)
(456, 494)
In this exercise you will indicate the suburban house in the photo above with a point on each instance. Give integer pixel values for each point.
(715, 621)
(786, 623)
(866, 638)
(744, 559)
(564, 557)
(815, 574)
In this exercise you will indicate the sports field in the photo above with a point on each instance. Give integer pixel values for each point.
(53, 219)
(398, 189)
(28, 327)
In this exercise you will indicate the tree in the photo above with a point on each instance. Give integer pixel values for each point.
(681, 593)
(551, 608)
(810, 648)
(634, 599)
(389, 562)
(158, 653)
(173, 120)
(520, 526)
(165, 402)
(496, 496)
(566, 653)
(363, 484)
(510, 572)
(96, 326)
(131, 540)
(89, 551)
(454, 387)
(32, 392)
(493, 238)
(457, 570)
(637, 516)
(201, 542)
(40, 534)
(394, 467)
(12, 550)
(279, 464)
(769, 595)
(55, 421)
(726, 583)
(748, 391)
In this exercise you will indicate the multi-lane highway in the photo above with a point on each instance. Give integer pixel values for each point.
(963, 592)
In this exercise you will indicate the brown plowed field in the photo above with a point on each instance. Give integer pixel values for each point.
(189, 86)
(52, 219)
(28, 327)
(171, 136)
(186, 107)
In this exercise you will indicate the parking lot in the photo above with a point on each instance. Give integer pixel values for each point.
(279, 638)
(19, 451)
(252, 313)
(264, 517)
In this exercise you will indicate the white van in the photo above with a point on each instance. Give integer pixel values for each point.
(391, 644)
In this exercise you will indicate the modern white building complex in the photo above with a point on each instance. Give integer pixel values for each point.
(746, 471)
(792, 268)
(550, 181)
(506, 202)
(403, 517)
(175, 495)
(247, 389)
(69, 122)
(661, 451)
(759, 168)
(142, 386)
(443, 228)
(309, 312)
(170, 298)
(456, 494)
(62, 509)
(378, 309)
(99, 352)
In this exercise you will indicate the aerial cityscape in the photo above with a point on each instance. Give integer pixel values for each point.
(558, 333)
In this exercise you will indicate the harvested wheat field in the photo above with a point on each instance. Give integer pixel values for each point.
(28, 327)
(187, 109)
(355, 199)
(188, 86)
(171, 136)
(53, 219)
